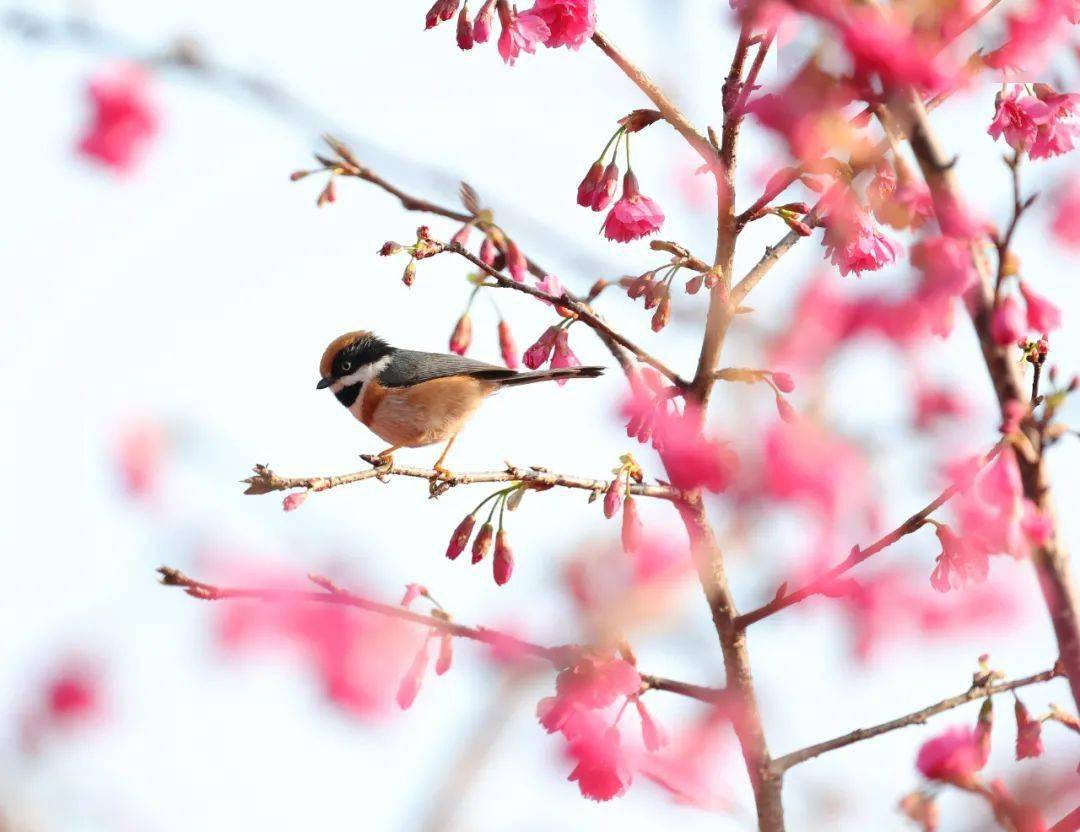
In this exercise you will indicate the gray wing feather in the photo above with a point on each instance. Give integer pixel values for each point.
(408, 367)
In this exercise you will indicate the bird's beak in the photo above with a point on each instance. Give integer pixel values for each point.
(324, 383)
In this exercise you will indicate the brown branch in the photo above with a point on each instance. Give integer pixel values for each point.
(916, 718)
(822, 584)
(265, 480)
(1050, 559)
(560, 657)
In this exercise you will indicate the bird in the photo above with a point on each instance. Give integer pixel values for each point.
(411, 399)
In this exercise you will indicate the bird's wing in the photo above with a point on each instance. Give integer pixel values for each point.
(408, 367)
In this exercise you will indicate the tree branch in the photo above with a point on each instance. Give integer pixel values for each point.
(915, 718)
(560, 657)
(265, 480)
(822, 583)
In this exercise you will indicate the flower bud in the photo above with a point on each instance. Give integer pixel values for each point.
(442, 10)
(783, 382)
(693, 285)
(327, 195)
(632, 527)
(639, 120)
(786, 411)
(588, 185)
(515, 261)
(482, 543)
(460, 539)
(414, 677)
(293, 501)
(409, 275)
(488, 252)
(482, 26)
(507, 346)
(652, 734)
(461, 236)
(639, 286)
(503, 566)
(984, 725)
(462, 335)
(662, 315)
(712, 277)
(446, 649)
(390, 247)
(657, 292)
(1028, 733)
(605, 190)
(539, 352)
(515, 498)
(613, 498)
(464, 30)
(297, 175)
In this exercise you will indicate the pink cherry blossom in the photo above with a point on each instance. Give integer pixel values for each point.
(605, 188)
(691, 459)
(1031, 34)
(958, 562)
(563, 356)
(552, 286)
(294, 500)
(124, 119)
(1042, 315)
(1066, 222)
(140, 459)
(570, 22)
(412, 592)
(633, 216)
(933, 404)
(1028, 733)
(464, 30)
(1036, 526)
(952, 757)
(503, 562)
(460, 538)
(632, 527)
(652, 734)
(804, 464)
(482, 24)
(516, 262)
(803, 112)
(880, 44)
(613, 498)
(1018, 117)
(602, 769)
(539, 352)
(591, 683)
(519, 32)
(1008, 324)
(72, 694)
(858, 248)
(947, 274)
(587, 188)
(414, 677)
(441, 10)
(1055, 139)
(507, 346)
(461, 337)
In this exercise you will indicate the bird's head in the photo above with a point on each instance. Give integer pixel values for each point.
(351, 360)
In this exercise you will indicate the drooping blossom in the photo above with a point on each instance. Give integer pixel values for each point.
(591, 683)
(482, 24)
(440, 11)
(123, 120)
(503, 563)
(933, 404)
(1042, 315)
(954, 756)
(652, 734)
(587, 188)
(602, 769)
(633, 216)
(1031, 34)
(538, 353)
(464, 30)
(1056, 135)
(570, 22)
(519, 32)
(946, 274)
(507, 346)
(562, 356)
(461, 337)
(414, 677)
(905, 203)
(1028, 733)
(852, 242)
(613, 498)
(605, 188)
(1017, 118)
(482, 543)
(460, 538)
(516, 262)
(446, 654)
(1066, 222)
(632, 527)
(1008, 325)
(693, 460)
(958, 562)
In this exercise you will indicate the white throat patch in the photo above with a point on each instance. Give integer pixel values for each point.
(361, 375)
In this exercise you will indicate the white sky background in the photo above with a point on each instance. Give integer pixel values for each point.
(202, 290)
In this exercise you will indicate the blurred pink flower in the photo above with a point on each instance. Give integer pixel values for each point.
(691, 459)
(958, 562)
(1066, 223)
(933, 404)
(633, 216)
(539, 352)
(1028, 733)
(140, 457)
(590, 684)
(1007, 324)
(482, 24)
(952, 757)
(852, 242)
(414, 677)
(652, 734)
(632, 527)
(507, 346)
(1018, 117)
(882, 45)
(124, 120)
(603, 769)
(1042, 316)
(563, 356)
(570, 22)
(804, 464)
(519, 32)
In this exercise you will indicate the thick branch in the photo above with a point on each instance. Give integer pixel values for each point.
(823, 583)
(265, 480)
(561, 656)
(915, 718)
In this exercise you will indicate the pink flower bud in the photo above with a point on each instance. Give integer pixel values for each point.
(293, 501)
(1007, 325)
(482, 543)
(662, 315)
(297, 175)
(1028, 733)
(589, 184)
(488, 252)
(539, 352)
(632, 528)
(786, 411)
(414, 677)
(657, 292)
(482, 26)
(515, 261)
(640, 119)
(693, 285)
(503, 567)
(460, 539)
(1042, 315)
(388, 248)
(327, 194)
(446, 654)
(462, 335)
(412, 592)
(613, 498)
(984, 726)
(461, 236)
(639, 286)
(507, 346)
(563, 356)
(464, 30)
(442, 10)
(783, 382)
(408, 277)
(605, 190)
(652, 734)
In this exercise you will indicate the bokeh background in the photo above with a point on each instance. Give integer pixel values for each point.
(176, 315)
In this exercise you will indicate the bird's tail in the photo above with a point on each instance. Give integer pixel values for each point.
(552, 375)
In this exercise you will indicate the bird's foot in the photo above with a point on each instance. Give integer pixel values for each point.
(442, 473)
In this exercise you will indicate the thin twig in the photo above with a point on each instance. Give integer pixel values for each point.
(561, 656)
(823, 583)
(265, 480)
(916, 718)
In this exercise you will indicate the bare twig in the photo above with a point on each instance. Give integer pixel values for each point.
(916, 718)
(823, 583)
(561, 656)
(265, 480)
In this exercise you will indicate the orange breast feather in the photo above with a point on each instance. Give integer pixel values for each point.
(424, 413)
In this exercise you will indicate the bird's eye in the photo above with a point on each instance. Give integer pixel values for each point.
(346, 366)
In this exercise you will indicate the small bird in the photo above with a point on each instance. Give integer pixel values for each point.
(410, 398)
